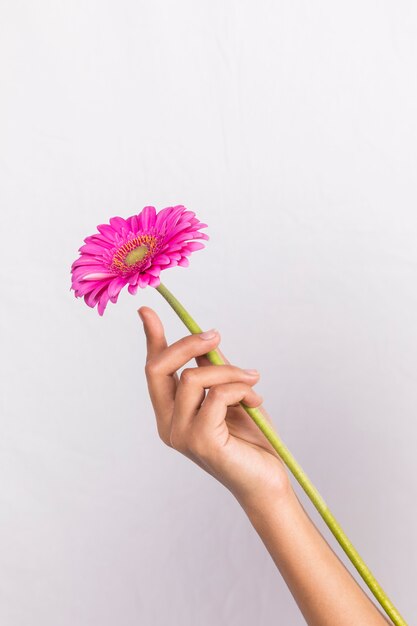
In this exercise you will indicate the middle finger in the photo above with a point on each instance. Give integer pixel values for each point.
(190, 391)
(161, 373)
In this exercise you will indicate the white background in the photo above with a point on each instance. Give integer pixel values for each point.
(290, 128)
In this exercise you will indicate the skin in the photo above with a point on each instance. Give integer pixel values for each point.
(198, 414)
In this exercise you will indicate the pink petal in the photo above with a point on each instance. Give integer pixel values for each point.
(92, 298)
(188, 215)
(155, 270)
(173, 263)
(184, 262)
(84, 285)
(170, 217)
(147, 217)
(175, 255)
(154, 281)
(147, 264)
(195, 245)
(104, 298)
(161, 217)
(134, 278)
(181, 226)
(119, 224)
(87, 260)
(133, 289)
(115, 286)
(180, 237)
(170, 247)
(134, 223)
(107, 231)
(92, 248)
(162, 259)
(100, 241)
(82, 270)
(143, 280)
(97, 276)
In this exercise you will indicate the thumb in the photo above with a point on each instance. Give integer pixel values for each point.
(154, 331)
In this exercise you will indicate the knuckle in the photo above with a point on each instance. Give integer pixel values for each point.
(241, 391)
(217, 392)
(187, 375)
(152, 367)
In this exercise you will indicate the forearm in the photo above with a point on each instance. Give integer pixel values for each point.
(322, 587)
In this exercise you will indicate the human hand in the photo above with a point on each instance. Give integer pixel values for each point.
(212, 430)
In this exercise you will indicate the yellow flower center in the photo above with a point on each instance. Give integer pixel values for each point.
(136, 255)
(128, 258)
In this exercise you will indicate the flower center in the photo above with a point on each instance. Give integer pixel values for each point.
(131, 255)
(136, 255)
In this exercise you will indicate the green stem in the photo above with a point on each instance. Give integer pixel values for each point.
(215, 358)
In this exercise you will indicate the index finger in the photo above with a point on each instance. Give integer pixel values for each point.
(154, 331)
(163, 361)
(162, 389)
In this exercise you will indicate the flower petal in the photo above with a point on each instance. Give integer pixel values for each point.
(85, 259)
(155, 270)
(179, 228)
(154, 281)
(134, 223)
(147, 217)
(162, 259)
(97, 276)
(116, 285)
(134, 278)
(119, 224)
(92, 248)
(104, 298)
(107, 231)
(132, 289)
(100, 241)
(143, 280)
(195, 245)
(171, 217)
(83, 270)
(200, 236)
(92, 298)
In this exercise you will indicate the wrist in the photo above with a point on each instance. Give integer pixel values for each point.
(268, 500)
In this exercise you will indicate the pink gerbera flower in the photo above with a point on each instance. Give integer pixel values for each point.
(133, 252)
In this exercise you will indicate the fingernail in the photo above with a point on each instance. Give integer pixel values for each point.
(251, 372)
(140, 315)
(209, 334)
